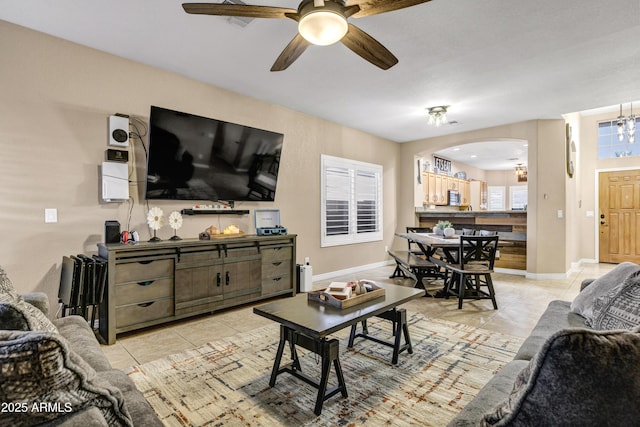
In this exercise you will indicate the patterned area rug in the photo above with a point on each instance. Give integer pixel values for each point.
(226, 382)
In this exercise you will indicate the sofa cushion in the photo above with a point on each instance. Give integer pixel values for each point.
(556, 317)
(41, 373)
(492, 394)
(580, 377)
(35, 319)
(620, 308)
(82, 340)
(140, 410)
(583, 302)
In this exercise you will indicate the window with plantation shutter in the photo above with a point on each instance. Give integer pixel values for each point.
(351, 201)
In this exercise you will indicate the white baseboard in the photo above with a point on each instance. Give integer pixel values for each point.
(547, 276)
(337, 273)
(533, 276)
(510, 271)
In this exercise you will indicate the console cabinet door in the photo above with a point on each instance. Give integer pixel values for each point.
(242, 278)
(198, 289)
(242, 274)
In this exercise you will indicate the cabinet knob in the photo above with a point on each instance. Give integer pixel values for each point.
(226, 276)
(218, 280)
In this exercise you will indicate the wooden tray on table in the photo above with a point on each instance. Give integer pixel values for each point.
(323, 297)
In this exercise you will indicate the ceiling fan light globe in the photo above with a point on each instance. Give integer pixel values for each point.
(323, 27)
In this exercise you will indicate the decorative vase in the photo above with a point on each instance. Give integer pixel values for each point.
(438, 231)
(449, 232)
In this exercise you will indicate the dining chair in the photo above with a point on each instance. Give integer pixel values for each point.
(487, 233)
(471, 276)
(468, 231)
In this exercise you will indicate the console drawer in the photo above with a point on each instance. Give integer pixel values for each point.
(137, 292)
(144, 312)
(275, 284)
(278, 253)
(276, 268)
(144, 270)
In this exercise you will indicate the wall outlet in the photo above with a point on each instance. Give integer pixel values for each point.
(386, 249)
(50, 215)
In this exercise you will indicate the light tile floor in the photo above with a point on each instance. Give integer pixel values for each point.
(521, 301)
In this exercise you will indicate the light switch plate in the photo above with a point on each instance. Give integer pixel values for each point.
(50, 215)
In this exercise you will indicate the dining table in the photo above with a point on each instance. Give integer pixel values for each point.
(438, 249)
(429, 243)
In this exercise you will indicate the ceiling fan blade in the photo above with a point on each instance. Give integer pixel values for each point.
(248, 11)
(374, 7)
(368, 48)
(290, 53)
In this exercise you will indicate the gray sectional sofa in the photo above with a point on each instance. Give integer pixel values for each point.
(580, 366)
(53, 373)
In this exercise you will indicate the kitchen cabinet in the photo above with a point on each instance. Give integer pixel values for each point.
(436, 187)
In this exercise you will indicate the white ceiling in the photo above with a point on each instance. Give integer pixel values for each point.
(493, 61)
(488, 155)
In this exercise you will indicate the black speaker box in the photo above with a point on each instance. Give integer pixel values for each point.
(117, 155)
(111, 232)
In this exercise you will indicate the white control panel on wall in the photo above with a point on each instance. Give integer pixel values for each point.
(50, 215)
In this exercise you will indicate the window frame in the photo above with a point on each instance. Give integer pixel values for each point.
(609, 147)
(495, 189)
(353, 167)
(518, 188)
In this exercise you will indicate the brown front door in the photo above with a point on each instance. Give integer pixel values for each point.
(619, 216)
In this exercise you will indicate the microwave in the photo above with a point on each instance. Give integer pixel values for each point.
(454, 198)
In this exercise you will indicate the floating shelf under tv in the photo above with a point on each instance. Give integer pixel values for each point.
(215, 212)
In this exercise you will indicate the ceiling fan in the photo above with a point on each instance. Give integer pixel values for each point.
(320, 22)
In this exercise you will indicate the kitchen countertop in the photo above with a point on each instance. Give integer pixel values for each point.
(451, 213)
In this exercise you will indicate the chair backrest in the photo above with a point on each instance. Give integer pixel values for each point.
(487, 233)
(478, 250)
(468, 231)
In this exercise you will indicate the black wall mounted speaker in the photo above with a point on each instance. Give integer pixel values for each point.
(111, 231)
(113, 155)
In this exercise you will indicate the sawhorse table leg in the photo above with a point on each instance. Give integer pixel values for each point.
(398, 318)
(328, 350)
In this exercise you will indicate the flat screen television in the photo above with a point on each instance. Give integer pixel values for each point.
(197, 158)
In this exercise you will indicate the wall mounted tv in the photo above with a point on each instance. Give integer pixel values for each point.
(198, 158)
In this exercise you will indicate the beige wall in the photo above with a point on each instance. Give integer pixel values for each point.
(55, 100)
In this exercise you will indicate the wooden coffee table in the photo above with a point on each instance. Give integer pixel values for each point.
(308, 324)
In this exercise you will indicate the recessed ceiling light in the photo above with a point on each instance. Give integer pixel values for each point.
(456, 149)
(473, 156)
